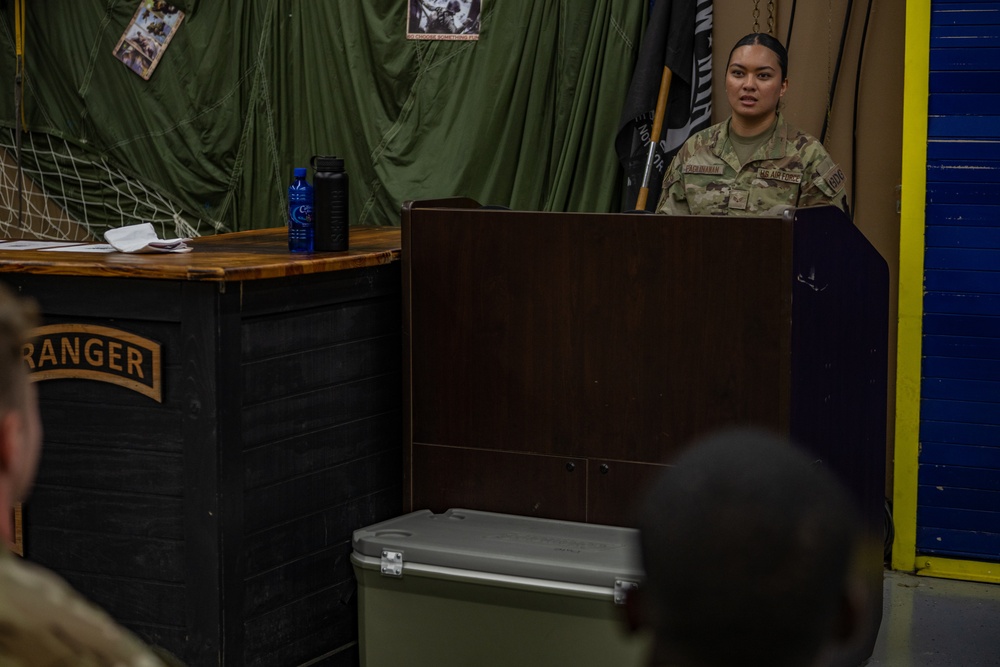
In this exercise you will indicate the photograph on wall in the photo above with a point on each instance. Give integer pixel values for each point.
(146, 38)
(443, 19)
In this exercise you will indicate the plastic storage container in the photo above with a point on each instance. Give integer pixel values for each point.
(477, 588)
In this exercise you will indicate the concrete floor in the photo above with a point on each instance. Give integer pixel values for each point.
(930, 622)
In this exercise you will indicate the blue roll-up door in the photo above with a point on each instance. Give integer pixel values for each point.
(958, 501)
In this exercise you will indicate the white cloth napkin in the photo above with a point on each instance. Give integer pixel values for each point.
(142, 238)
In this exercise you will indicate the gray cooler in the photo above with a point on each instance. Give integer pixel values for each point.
(477, 588)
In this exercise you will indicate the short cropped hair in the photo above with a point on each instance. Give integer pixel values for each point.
(17, 317)
(747, 542)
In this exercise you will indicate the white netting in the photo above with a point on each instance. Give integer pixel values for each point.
(69, 193)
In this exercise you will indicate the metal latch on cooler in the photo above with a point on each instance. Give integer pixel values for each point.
(621, 590)
(392, 563)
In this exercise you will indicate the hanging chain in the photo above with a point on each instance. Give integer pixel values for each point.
(829, 68)
(770, 16)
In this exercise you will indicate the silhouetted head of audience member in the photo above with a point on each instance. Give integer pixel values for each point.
(748, 545)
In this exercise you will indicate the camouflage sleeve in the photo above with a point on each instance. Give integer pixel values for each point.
(45, 622)
(166, 657)
(825, 181)
(673, 200)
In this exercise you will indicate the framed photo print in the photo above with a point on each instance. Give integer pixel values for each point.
(146, 38)
(443, 19)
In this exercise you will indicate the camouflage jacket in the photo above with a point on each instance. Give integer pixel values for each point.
(45, 623)
(790, 169)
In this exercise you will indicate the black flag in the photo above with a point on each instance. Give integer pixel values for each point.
(679, 36)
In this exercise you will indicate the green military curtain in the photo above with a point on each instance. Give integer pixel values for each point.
(524, 117)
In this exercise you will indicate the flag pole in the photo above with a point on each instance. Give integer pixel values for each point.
(19, 23)
(654, 137)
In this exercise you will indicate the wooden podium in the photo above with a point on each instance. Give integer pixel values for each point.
(554, 361)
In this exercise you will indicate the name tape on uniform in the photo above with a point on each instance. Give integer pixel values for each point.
(710, 169)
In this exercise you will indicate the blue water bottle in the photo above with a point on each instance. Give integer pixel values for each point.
(300, 213)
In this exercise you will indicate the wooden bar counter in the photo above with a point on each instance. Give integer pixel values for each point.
(217, 423)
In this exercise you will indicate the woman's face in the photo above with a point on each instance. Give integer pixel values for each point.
(754, 84)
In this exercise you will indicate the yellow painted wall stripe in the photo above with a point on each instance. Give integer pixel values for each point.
(966, 570)
(911, 281)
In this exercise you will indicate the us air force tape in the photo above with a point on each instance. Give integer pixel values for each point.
(779, 175)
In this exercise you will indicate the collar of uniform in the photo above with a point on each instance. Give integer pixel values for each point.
(723, 148)
(773, 149)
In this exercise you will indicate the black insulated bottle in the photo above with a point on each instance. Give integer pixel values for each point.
(330, 207)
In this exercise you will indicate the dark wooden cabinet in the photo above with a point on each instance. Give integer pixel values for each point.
(553, 362)
(216, 522)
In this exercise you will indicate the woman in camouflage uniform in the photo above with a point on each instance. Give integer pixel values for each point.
(754, 163)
